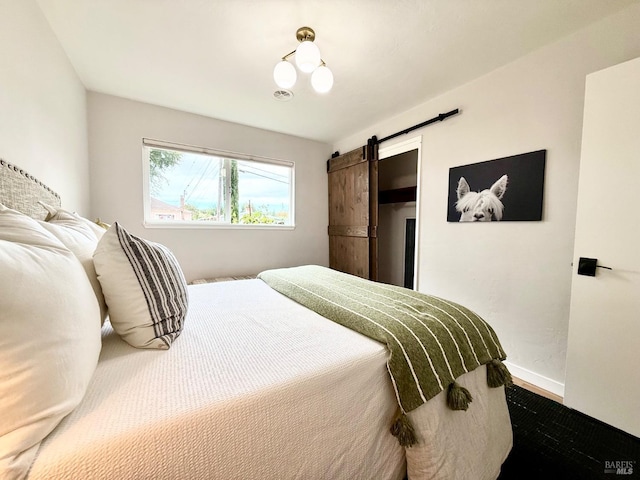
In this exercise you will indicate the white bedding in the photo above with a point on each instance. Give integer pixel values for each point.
(258, 387)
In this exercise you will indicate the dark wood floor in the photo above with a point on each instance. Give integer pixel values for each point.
(552, 441)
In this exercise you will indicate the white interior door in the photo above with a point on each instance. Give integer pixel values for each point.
(603, 354)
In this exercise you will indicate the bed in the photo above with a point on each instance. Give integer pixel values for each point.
(248, 384)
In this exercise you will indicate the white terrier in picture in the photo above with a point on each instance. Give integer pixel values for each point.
(483, 206)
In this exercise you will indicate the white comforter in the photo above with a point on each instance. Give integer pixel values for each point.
(258, 387)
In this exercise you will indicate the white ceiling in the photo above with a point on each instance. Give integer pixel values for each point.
(216, 57)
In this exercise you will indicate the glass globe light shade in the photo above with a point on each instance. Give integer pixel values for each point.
(285, 74)
(322, 79)
(307, 56)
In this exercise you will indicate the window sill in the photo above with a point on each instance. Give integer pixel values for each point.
(208, 226)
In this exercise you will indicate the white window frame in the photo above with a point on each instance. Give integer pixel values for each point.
(148, 143)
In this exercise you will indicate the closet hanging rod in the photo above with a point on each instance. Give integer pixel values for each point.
(439, 118)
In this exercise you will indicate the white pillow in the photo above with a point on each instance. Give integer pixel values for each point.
(144, 288)
(56, 214)
(81, 237)
(49, 337)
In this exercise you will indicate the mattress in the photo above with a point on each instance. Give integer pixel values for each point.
(259, 387)
(256, 387)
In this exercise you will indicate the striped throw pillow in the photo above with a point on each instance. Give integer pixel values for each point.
(144, 288)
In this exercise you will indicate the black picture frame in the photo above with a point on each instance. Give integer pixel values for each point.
(521, 199)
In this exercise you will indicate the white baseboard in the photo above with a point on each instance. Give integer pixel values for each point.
(536, 379)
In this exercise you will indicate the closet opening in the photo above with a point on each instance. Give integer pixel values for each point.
(397, 214)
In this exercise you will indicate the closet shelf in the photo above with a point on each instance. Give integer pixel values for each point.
(397, 195)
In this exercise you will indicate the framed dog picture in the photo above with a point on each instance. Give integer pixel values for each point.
(505, 189)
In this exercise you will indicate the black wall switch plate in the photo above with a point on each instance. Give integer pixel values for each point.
(587, 266)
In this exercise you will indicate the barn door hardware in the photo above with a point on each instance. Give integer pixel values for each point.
(439, 118)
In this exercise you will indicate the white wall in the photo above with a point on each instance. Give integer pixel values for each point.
(43, 126)
(116, 129)
(516, 275)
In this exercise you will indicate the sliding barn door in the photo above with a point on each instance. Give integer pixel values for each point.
(353, 212)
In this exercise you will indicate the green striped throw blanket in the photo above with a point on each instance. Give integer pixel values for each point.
(432, 341)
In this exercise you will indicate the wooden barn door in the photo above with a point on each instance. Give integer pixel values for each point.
(353, 212)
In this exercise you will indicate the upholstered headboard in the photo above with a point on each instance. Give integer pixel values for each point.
(21, 191)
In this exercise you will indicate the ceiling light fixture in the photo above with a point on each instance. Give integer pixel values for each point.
(308, 60)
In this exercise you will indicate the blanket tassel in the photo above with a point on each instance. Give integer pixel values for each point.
(402, 429)
(498, 374)
(458, 397)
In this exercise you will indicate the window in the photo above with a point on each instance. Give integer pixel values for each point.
(192, 186)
